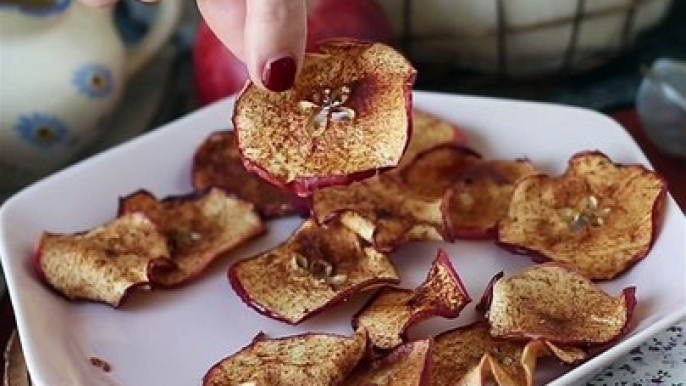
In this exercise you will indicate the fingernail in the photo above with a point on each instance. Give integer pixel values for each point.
(279, 74)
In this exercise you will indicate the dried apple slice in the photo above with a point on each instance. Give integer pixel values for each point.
(407, 365)
(599, 216)
(346, 117)
(392, 311)
(217, 163)
(470, 356)
(554, 302)
(316, 268)
(106, 263)
(481, 195)
(199, 228)
(433, 171)
(307, 359)
(382, 211)
(429, 131)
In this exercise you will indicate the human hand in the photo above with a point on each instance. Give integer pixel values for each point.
(267, 35)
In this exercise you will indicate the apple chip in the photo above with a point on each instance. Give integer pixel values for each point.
(307, 359)
(481, 195)
(429, 131)
(382, 211)
(392, 311)
(599, 216)
(556, 303)
(316, 268)
(470, 356)
(433, 171)
(346, 117)
(407, 365)
(199, 228)
(217, 163)
(103, 264)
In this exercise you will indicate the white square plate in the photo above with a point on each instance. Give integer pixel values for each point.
(173, 337)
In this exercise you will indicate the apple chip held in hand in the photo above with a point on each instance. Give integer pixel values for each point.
(392, 311)
(316, 268)
(556, 303)
(199, 228)
(307, 359)
(407, 365)
(383, 211)
(470, 356)
(217, 163)
(103, 264)
(480, 196)
(346, 117)
(600, 217)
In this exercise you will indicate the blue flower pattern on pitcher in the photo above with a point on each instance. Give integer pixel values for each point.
(42, 130)
(94, 81)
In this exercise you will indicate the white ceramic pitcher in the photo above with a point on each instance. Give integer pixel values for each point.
(63, 68)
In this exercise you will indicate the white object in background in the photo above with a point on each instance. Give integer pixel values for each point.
(661, 106)
(63, 68)
(536, 35)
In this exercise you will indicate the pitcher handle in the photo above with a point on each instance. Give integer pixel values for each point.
(166, 20)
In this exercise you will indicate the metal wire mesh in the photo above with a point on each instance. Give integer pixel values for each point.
(572, 58)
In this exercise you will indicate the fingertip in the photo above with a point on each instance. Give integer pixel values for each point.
(279, 74)
(275, 35)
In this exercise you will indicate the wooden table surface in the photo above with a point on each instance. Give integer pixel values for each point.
(673, 169)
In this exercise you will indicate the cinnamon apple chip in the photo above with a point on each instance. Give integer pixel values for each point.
(470, 356)
(307, 359)
(429, 131)
(392, 311)
(407, 365)
(199, 228)
(434, 170)
(600, 217)
(556, 303)
(103, 264)
(217, 163)
(316, 268)
(481, 195)
(382, 211)
(346, 117)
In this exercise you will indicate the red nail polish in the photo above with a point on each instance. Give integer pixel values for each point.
(279, 74)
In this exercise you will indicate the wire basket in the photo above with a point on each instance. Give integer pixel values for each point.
(521, 38)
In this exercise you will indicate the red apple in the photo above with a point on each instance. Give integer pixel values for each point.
(218, 73)
(357, 19)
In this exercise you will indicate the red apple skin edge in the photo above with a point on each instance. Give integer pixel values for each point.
(443, 260)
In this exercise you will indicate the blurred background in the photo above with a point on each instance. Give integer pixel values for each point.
(591, 54)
